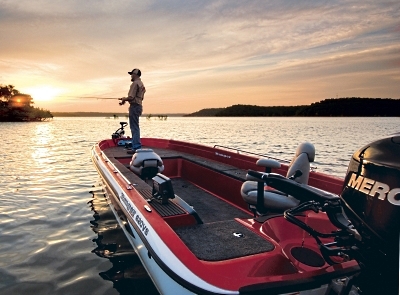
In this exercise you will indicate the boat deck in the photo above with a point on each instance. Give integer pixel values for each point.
(119, 153)
(212, 238)
(207, 226)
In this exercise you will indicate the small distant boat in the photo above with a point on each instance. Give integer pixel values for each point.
(203, 221)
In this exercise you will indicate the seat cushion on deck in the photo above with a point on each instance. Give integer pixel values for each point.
(144, 159)
(274, 200)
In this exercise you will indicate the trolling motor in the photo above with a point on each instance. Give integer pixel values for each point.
(120, 131)
(119, 137)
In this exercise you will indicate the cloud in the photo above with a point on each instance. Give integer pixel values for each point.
(210, 52)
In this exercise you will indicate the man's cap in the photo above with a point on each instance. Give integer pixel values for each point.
(136, 72)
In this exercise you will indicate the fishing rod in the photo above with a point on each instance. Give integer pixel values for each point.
(95, 97)
(98, 97)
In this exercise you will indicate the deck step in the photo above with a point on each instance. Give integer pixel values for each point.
(165, 210)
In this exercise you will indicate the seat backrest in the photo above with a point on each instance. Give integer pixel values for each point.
(305, 154)
(146, 163)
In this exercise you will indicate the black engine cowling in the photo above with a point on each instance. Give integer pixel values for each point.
(371, 195)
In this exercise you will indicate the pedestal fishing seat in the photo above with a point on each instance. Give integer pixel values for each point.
(273, 200)
(146, 163)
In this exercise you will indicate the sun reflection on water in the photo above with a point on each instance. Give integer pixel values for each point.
(43, 143)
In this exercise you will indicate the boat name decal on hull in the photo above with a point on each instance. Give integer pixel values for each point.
(141, 224)
(136, 217)
(222, 155)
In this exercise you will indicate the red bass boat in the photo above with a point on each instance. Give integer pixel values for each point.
(215, 220)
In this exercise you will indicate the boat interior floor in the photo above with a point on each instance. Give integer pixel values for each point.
(218, 236)
(208, 207)
(222, 240)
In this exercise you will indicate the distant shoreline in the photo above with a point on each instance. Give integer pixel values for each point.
(339, 107)
(107, 115)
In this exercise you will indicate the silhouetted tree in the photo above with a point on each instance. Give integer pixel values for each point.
(16, 106)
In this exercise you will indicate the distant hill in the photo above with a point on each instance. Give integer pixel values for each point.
(332, 107)
(354, 107)
(206, 113)
(256, 111)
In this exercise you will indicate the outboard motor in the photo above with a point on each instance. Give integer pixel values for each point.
(371, 198)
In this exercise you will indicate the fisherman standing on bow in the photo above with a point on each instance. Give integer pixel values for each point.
(135, 99)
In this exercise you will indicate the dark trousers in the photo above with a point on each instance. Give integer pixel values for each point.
(135, 110)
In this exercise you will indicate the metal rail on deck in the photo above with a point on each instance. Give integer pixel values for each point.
(240, 151)
(313, 168)
(116, 170)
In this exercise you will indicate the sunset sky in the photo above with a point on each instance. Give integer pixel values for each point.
(199, 54)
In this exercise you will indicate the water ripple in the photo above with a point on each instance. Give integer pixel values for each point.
(57, 238)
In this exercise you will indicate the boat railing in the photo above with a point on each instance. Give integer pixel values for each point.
(313, 168)
(250, 153)
(116, 170)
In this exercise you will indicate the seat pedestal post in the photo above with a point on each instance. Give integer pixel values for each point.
(260, 197)
(260, 194)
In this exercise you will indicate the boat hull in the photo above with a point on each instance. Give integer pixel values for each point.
(171, 265)
(163, 282)
(169, 277)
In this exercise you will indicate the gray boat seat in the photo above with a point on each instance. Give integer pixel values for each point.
(146, 163)
(274, 200)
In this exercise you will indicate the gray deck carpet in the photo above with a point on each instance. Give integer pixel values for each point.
(220, 237)
(222, 240)
(207, 206)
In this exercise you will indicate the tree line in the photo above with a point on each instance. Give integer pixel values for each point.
(17, 107)
(332, 107)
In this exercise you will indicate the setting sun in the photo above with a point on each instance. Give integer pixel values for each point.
(43, 93)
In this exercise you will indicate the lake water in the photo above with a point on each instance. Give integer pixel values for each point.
(57, 234)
